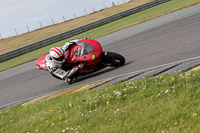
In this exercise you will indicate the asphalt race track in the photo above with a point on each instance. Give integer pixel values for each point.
(160, 41)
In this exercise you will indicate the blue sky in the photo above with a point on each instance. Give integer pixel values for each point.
(18, 14)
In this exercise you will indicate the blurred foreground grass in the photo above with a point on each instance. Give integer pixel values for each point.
(167, 103)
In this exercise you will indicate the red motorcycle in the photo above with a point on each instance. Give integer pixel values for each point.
(88, 52)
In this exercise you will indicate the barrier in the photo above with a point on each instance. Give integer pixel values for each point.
(68, 34)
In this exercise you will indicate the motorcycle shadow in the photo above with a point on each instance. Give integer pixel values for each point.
(100, 72)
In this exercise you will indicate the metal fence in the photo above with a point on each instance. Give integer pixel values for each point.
(33, 25)
(71, 33)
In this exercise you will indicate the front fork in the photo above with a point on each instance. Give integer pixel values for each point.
(104, 61)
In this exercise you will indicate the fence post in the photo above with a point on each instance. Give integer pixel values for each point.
(0, 37)
(85, 11)
(16, 31)
(40, 24)
(113, 3)
(74, 15)
(52, 21)
(64, 18)
(104, 6)
(28, 29)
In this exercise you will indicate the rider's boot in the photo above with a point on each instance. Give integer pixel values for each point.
(70, 80)
(71, 76)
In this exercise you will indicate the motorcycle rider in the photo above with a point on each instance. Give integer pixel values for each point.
(55, 60)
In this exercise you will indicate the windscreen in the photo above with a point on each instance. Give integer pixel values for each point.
(83, 49)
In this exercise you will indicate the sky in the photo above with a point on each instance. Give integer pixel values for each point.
(19, 16)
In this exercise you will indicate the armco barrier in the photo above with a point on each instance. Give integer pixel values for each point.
(68, 34)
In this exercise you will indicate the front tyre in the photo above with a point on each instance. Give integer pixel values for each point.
(113, 59)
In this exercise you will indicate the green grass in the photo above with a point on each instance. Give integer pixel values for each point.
(106, 29)
(168, 103)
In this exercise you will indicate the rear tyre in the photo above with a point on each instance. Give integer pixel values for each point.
(113, 59)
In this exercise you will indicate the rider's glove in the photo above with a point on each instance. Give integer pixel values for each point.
(51, 69)
(80, 66)
(68, 45)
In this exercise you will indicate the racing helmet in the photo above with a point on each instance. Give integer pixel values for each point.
(57, 54)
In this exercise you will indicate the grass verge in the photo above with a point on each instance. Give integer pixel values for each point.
(168, 103)
(106, 29)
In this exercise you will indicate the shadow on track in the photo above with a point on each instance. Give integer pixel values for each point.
(105, 70)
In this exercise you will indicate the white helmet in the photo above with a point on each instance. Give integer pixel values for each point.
(57, 54)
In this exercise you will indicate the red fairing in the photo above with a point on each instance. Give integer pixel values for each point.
(88, 56)
(40, 63)
(90, 59)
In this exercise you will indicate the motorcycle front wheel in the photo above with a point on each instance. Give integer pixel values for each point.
(113, 59)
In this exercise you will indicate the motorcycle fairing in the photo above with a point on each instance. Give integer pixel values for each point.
(87, 51)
